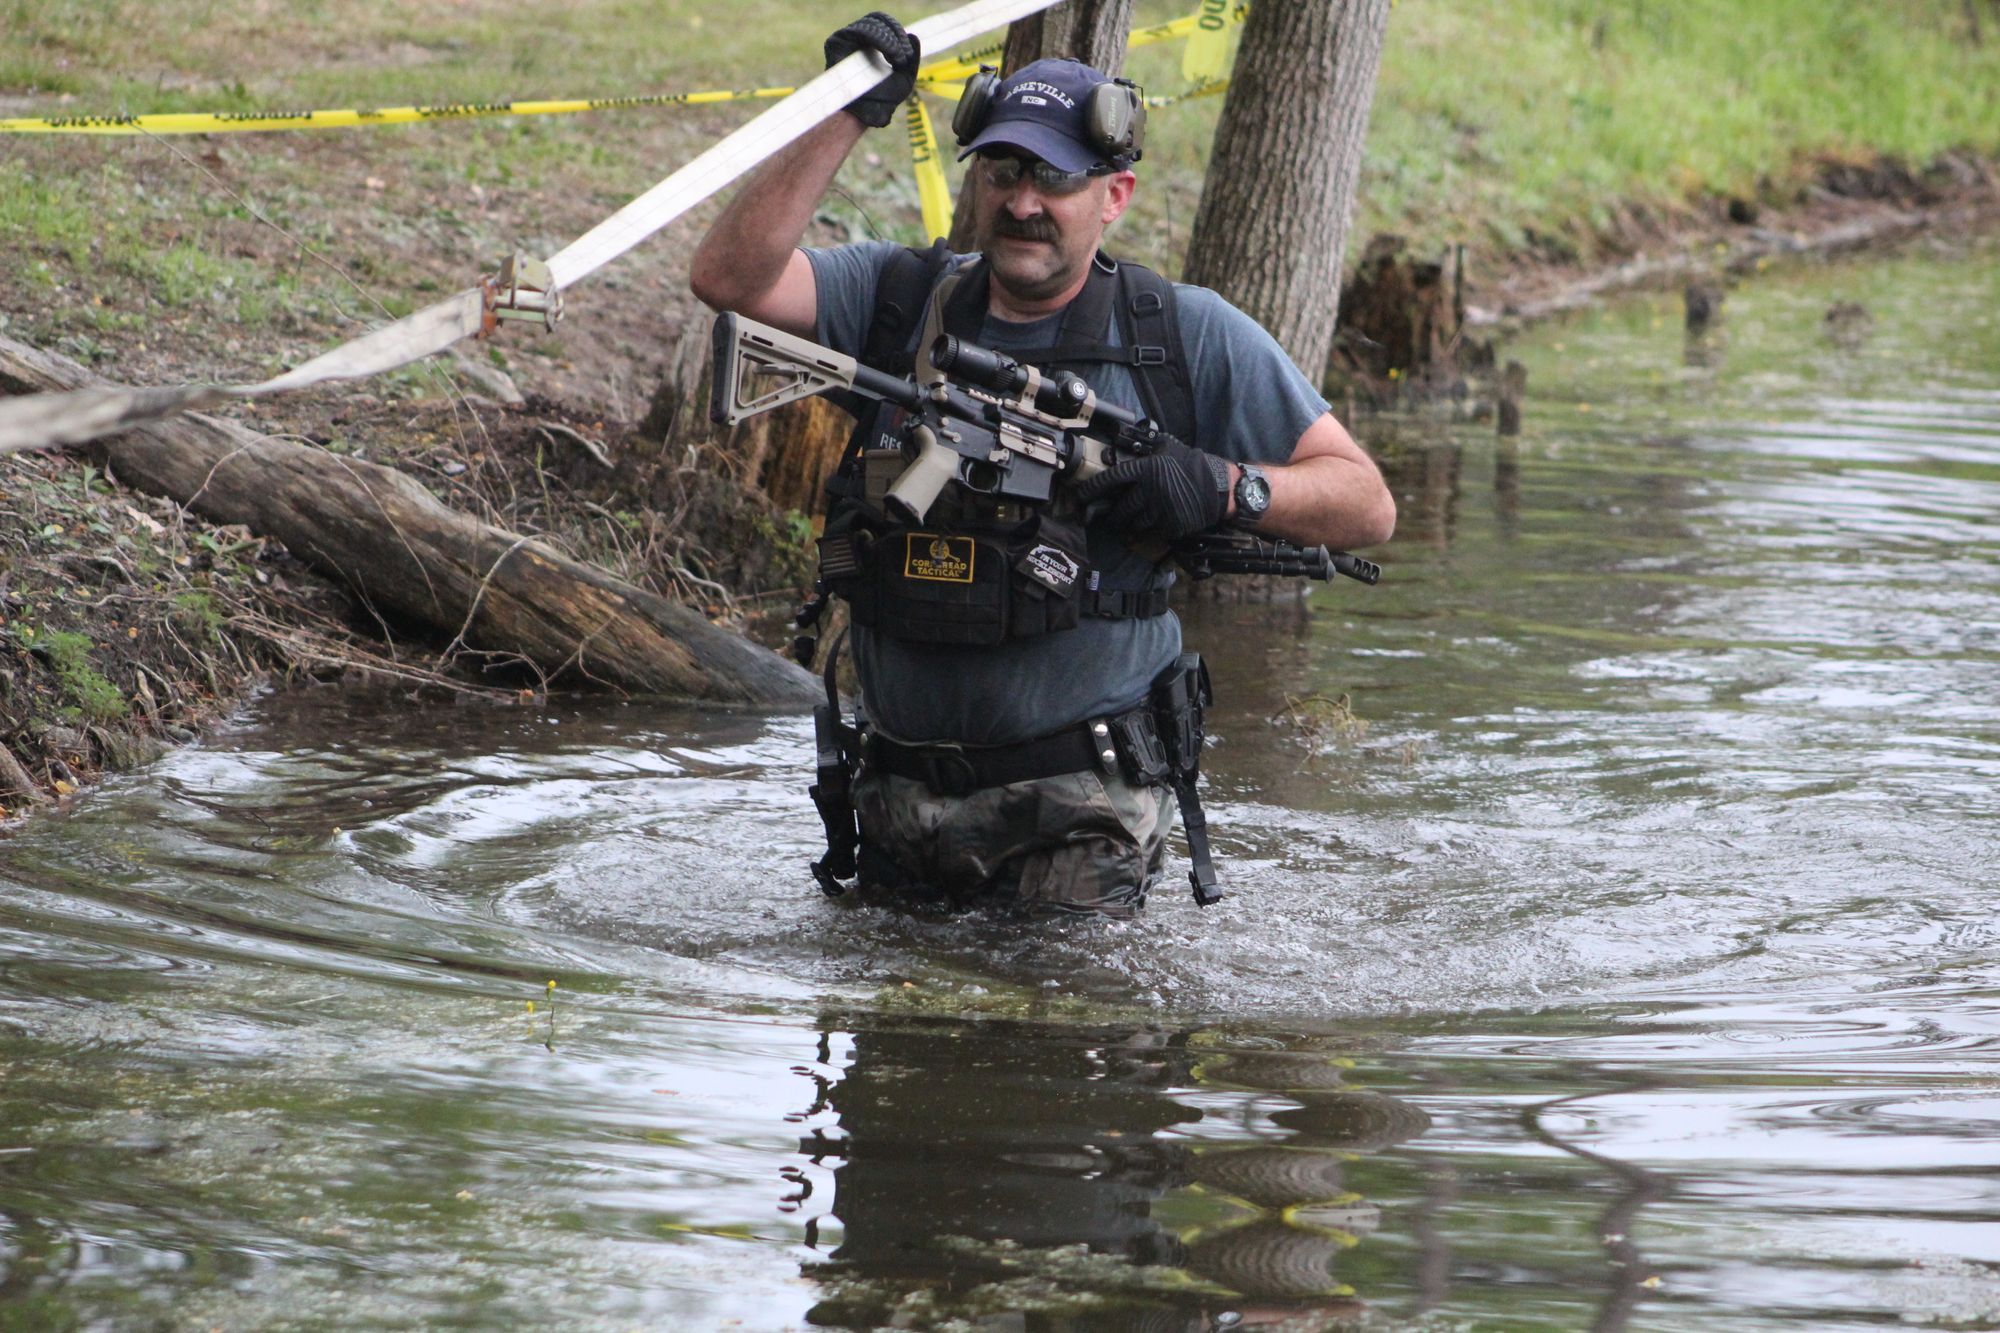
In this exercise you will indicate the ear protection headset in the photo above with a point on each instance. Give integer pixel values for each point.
(1114, 115)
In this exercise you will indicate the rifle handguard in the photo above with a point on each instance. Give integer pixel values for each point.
(1241, 553)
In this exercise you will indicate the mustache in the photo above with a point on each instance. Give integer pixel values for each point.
(1038, 228)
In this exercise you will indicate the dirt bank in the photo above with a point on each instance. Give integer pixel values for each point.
(1850, 205)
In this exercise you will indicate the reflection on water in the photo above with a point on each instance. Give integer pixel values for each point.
(1620, 954)
(1146, 1176)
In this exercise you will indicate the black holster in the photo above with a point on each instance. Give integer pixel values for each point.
(838, 746)
(1160, 745)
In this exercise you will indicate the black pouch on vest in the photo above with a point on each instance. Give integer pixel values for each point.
(1052, 569)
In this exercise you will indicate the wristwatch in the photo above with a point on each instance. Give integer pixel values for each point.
(1253, 496)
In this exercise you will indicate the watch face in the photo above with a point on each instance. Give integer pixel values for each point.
(1253, 493)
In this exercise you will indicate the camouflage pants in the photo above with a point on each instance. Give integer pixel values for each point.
(1078, 842)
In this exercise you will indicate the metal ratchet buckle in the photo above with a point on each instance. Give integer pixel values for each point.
(524, 290)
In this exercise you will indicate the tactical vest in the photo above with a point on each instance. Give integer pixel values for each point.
(980, 572)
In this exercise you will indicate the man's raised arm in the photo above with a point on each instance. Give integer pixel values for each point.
(749, 261)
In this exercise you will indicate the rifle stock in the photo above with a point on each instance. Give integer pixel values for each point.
(758, 368)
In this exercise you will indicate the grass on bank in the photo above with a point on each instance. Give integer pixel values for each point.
(1538, 116)
(1500, 124)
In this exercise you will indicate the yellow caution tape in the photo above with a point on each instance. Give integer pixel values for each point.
(955, 70)
(1162, 32)
(1206, 57)
(1210, 89)
(1206, 31)
(944, 78)
(223, 122)
(933, 190)
(965, 64)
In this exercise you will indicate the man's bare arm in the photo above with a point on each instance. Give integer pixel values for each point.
(749, 261)
(1329, 494)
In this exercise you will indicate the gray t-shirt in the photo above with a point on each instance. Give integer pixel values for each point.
(1251, 406)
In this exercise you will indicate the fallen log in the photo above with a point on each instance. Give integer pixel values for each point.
(1742, 256)
(413, 559)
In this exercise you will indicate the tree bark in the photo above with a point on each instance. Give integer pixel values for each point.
(1272, 225)
(1092, 31)
(789, 453)
(412, 559)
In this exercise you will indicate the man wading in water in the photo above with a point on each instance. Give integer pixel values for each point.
(1020, 672)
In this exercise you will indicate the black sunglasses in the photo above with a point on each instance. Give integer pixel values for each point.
(1004, 171)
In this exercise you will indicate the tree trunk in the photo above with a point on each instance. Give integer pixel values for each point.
(412, 559)
(1275, 207)
(1092, 31)
(788, 453)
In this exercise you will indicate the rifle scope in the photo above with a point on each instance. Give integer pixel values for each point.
(1061, 394)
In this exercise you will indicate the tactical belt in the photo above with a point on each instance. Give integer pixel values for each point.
(958, 770)
(1157, 744)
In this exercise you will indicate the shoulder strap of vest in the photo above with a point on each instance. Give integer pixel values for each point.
(964, 312)
(1150, 322)
(900, 294)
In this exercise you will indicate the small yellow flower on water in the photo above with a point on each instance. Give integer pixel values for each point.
(552, 985)
(531, 1006)
(1651, 1283)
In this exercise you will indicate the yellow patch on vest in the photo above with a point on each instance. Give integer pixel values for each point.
(927, 555)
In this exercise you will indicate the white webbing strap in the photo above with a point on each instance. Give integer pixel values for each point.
(37, 420)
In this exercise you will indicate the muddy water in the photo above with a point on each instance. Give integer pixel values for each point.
(1620, 955)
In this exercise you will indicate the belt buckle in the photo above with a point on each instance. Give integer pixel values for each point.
(944, 764)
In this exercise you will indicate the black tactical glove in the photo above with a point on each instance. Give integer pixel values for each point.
(1171, 493)
(878, 32)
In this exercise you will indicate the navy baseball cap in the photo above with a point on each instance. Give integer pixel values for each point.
(1040, 108)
